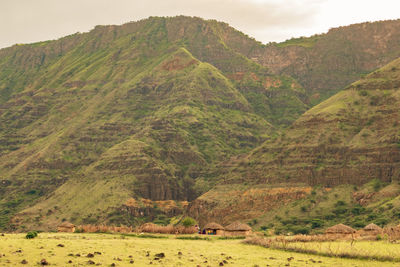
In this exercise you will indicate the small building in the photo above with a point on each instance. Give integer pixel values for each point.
(66, 227)
(371, 230)
(237, 229)
(214, 229)
(340, 230)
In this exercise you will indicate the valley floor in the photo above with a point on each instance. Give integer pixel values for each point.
(58, 249)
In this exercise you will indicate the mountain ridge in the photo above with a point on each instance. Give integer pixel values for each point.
(156, 109)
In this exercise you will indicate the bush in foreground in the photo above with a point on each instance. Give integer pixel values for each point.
(31, 235)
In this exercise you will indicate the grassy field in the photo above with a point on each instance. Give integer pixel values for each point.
(381, 250)
(121, 250)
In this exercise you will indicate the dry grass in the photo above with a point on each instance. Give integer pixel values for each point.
(145, 228)
(392, 233)
(324, 246)
(90, 228)
(169, 229)
(122, 249)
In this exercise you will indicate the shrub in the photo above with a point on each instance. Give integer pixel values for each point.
(316, 223)
(377, 184)
(188, 221)
(359, 223)
(31, 235)
(382, 221)
(340, 210)
(357, 210)
(300, 230)
(329, 216)
(253, 222)
(340, 203)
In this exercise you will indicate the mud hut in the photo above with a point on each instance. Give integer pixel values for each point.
(371, 230)
(66, 227)
(237, 229)
(214, 229)
(340, 230)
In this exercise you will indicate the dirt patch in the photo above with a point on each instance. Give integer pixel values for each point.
(177, 64)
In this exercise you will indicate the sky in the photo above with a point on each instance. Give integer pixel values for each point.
(27, 21)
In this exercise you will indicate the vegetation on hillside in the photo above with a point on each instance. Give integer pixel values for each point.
(336, 163)
(167, 108)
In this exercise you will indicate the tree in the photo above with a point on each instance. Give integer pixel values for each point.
(188, 221)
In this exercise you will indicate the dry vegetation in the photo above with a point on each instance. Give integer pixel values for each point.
(169, 229)
(72, 249)
(145, 228)
(89, 228)
(352, 246)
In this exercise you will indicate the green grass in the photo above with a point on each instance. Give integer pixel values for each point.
(83, 107)
(117, 249)
(307, 42)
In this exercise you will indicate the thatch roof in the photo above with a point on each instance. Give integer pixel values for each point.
(372, 227)
(340, 229)
(213, 226)
(238, 226)
(66, 225)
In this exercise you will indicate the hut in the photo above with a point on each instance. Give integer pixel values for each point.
(340, 230)
(237, 229)
(214, 229)
(371, 230)
(66, 227)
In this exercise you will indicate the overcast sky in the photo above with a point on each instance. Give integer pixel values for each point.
(25, 21)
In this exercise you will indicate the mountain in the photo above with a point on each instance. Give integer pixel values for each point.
(125, 124)
(136, 111)
(326, 63)
(339, 161)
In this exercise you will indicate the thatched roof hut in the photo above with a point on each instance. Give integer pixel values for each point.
(214, 226)
(340, 229)
(214, 229)
(372, 227)
(66, 227)
(371, 230)
(238, 228)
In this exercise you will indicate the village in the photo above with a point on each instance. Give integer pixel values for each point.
(239, 229)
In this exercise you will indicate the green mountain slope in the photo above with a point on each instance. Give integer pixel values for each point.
(328, 156)
(160, 109)
(124, 112)
(137, 42)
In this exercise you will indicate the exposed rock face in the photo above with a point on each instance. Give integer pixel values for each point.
(227, 204)
(326, 63)
(149, 209)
